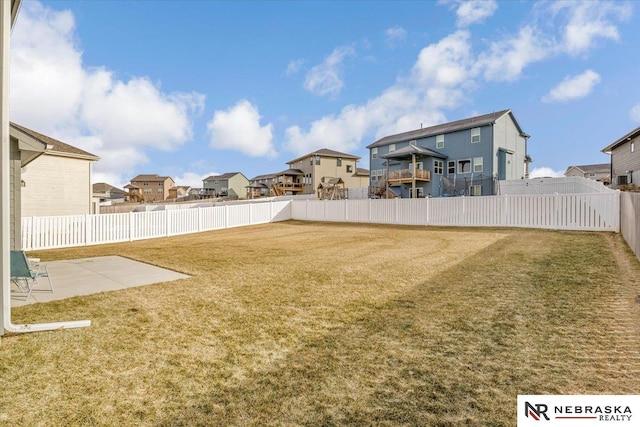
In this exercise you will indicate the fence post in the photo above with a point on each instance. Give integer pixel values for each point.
(87, 229)
(395, 213)
(250, 213)
(130, 226)
(270, 210)
(555, 211)
(369, 211)
(346, 210)
(167, 225)
(226, 216)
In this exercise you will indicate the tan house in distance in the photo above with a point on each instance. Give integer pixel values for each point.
(152, 188)
(600, 172)
(326, 163)
(57, 182)
(230, 184)
(179, 192)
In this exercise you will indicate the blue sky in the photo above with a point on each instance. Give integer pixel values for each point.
(194, 88)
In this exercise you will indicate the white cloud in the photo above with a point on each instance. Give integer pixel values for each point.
(395, 34)
(447, 71)
(634, 113)
(325, 78)
(54, 92)
(573, 87)
(238, 128)
(584, 23)
(192, 179)
(294, 66)
(435, 82)
(545, 172)
(445, 63)
(472, 11)
(506, 59)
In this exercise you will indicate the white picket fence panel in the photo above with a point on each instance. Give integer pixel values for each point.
(80, 230)
(587, 212)
(583, 212)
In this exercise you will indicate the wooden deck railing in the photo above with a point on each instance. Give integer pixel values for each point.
(407, 174)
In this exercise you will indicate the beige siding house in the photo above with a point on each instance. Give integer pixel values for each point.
(327, 163)
(151, 187)
(230, 184)
(57, 182)
(600, 172)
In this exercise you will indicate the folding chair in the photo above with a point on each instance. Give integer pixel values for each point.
(24, 276)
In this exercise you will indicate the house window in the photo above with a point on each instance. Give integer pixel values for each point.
(475, 190)
(392, 147)
(475, 135)
(438, 166)
(451, 167)
(477, 165)
(160, 191)
(374, 153)
(418, 165)
(148, 191)
(440, 141)
(339, 161)
(317, 160)
(349, 168)
(622, 179)
(145, 183)
(464, 166)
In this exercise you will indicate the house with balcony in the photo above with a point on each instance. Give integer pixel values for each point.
(150, 187)
(260, 186)
(325, 164)
(462, 158)
(625, 159)
(288, 182)
(230, 184)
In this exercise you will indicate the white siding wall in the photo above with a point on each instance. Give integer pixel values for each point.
(506, 135)
(56, 185)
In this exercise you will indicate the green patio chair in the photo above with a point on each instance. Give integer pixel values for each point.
(25, 276)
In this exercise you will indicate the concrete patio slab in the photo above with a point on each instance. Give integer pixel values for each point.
(88, 276)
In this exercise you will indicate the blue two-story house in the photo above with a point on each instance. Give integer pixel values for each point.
(466, 157)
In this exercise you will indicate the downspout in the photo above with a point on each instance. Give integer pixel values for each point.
(6, 8)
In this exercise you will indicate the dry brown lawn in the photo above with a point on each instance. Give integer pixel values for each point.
(295, 323)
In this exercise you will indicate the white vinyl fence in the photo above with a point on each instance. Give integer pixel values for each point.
(67, 231)
(630, 220)
(563, 185)
(587, 212)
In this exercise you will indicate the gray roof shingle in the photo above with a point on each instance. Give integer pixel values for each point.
(443, 128)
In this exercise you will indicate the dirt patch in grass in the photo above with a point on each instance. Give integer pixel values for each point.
(334, 324)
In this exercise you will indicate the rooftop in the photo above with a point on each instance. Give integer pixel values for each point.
(443, 128)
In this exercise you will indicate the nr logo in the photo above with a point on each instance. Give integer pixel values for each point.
(536, 411)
